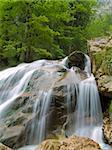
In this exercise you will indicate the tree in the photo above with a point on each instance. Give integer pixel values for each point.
(37, 29)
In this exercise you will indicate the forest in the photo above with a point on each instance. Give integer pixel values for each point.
(48, 29)
(56, 74)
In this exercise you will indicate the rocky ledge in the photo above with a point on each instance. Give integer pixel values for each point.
(100, 51)
(71, 143)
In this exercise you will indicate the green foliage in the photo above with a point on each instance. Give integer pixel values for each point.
(100, 26)
(110, 107)
(36, 29)
(104, 59)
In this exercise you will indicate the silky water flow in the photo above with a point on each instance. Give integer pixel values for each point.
(86, 121)
(88, 113)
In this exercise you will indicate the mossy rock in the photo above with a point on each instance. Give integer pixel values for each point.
(103, 60)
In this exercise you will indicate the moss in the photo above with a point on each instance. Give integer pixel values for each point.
(103, 60)
(98, 59)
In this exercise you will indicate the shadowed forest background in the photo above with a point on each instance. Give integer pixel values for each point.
(50, 29)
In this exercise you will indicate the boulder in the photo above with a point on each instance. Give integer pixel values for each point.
(71, 143)
(77, 59)
(11, 135)
(20, 118)
(3, 147)
(107, 130)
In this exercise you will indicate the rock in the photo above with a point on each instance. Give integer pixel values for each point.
(105, 85)
(100, 50)
(16, 124)
(11, 135)
(3, 147)
(49, 145)
(76, 59)
(107, 130)
(71, 143)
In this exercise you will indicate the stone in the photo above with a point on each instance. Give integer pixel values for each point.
(11, 136)
(49, 145)
(97, 47)
(71, 143)
(100, 51)
(3, 147)
(107, 129)
(16, 124)
(76, 59)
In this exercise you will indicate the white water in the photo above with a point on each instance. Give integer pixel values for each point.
(72, 89)
(88, 108)
(39, 129)
(29, 147)
(97, 135)
(14, 81)
(88, 115)
(87, 122)
(88, 65)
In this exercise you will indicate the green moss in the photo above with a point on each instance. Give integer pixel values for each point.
(98, 59)
(103, 60)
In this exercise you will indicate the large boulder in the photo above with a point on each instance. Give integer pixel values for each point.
(71, 143)
(77, 59)
(17, 123)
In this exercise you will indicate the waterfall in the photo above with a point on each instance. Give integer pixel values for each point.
(72, 89)
(39, 128)
(87, 119)
(88, 109)
(14, 81)
(87, 65)
(88, 115)
(83, 108)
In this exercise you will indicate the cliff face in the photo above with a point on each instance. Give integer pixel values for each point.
(100, 51)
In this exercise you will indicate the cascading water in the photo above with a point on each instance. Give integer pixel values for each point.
(38, 129)
(87, 65)
(88, 114)
(14, 81)
(70, 99)
(88, 109)
(87, 117)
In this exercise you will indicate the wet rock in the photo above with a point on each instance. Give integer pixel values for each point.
(16, 124)
(11, 135)
(107, 130)
(71, 143)
(76, 59)
(100, 50)
(3, 147)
